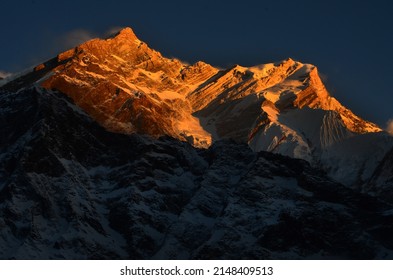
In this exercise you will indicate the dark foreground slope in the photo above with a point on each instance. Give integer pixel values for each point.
(69, 189)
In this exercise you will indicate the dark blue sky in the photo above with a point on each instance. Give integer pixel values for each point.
(351, 42)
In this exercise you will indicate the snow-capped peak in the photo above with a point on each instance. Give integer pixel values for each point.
(126, 32)
(128, 87)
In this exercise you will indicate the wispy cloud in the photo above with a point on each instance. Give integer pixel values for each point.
(113, 30)
(4, 74)
(389, 126)
(75, 38)
(324, 76)
(57, 43)
(78, 36)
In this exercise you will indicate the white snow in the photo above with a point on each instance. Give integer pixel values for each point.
(118, 58)
(355, 159)
(76, 81)
(262, 70)
(166, 94)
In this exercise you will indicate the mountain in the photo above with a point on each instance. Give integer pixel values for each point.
(124, 85)
(112, 151)
(281, 107)
(70, 189)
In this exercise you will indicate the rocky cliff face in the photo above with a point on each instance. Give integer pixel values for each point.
(128, 87)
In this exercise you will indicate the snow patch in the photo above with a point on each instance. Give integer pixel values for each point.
(166, 94)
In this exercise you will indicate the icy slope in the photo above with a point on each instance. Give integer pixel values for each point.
(381, 181)
(353, 161)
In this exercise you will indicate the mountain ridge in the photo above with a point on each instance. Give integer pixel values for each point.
(137, 54)
(127, 87)
(112, 151)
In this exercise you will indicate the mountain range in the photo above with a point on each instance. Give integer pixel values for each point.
(111, 150)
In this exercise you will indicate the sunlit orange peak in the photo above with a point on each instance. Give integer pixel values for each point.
(126, 32)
